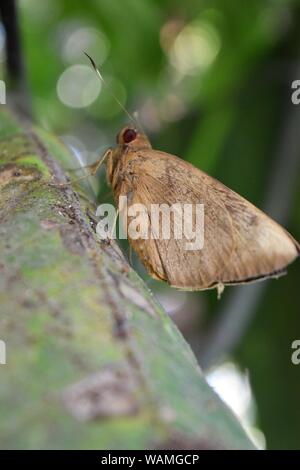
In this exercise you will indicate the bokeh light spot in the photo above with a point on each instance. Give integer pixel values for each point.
(195, 48)
(86, 39)
(234, 388)
(78, 86)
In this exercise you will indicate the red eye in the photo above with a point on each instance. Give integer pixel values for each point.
(129, 135)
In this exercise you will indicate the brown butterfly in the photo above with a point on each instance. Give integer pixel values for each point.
(242, 244)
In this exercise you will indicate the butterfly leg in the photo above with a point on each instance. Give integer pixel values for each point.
(93, 170)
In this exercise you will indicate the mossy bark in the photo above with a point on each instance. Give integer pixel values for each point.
(92, 359)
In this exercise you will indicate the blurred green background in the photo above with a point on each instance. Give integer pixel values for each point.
(211, 81)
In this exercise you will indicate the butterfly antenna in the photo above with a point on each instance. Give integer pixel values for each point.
(132, 119)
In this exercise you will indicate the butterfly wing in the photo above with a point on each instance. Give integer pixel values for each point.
(241, 243)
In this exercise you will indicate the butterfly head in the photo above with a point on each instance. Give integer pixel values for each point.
(133, 138)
